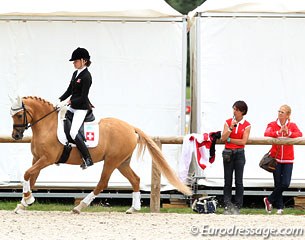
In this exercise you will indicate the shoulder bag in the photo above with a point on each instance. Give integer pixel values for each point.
(269, 163)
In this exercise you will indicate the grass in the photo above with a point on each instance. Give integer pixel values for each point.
(10, 206)
(188, 93)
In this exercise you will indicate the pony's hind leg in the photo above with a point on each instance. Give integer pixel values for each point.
(102, 184)
(134, 180)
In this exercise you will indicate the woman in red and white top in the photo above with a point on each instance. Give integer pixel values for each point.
(284, 155)
(235, 134)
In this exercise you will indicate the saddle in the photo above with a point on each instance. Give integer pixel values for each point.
(68, 122)
(89, 132)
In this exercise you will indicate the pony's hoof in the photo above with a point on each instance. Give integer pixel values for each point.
(79, 207)
(27, 201)
(19, 208)
(131, 210)
(75, 211)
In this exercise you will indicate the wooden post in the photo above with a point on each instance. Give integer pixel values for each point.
(155, 185)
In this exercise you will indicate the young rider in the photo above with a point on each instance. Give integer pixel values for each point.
(79, 103)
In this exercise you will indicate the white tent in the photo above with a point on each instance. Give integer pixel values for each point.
(252, 51)
(138, 53)
(97, 8)
(256, 6)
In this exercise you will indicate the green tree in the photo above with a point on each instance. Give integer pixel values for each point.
(185, 6)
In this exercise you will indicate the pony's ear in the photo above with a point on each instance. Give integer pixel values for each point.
(16, 99)
(19, 101)
(11, 98)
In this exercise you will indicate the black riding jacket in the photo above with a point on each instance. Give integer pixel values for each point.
(79, 90)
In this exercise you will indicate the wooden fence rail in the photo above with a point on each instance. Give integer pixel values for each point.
(179, 140)
(251, 141)
(156, 175)
(7, 139)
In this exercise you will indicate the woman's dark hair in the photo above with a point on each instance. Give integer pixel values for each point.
(88, 62)
(241, 106)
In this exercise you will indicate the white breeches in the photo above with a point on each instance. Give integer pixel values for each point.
(78, 119)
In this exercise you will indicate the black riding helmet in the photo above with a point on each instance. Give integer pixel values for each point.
(80, 53)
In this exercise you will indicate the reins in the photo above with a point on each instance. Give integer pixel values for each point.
(25, 124)
(31, 125)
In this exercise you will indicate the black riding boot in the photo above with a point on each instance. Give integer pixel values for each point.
(84, 151)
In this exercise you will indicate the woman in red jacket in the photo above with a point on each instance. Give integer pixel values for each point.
(284, 155)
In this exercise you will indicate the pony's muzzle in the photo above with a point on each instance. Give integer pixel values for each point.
(17, 135)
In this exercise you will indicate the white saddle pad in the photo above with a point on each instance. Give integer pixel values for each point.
(91, 131)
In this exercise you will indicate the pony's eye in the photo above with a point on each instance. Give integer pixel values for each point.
(19, 116)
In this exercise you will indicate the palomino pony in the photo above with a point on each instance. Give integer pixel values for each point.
(117, 142)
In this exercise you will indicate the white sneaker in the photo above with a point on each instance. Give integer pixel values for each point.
(279, 211)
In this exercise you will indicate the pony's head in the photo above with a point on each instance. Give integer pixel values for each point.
(20, 122)
(28, 111)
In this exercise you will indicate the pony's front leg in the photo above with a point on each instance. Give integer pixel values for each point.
(27, 197)
(30, 178)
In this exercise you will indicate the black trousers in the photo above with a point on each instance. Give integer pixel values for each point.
(236, 166)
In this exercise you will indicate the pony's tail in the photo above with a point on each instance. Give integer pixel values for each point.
(161, 163)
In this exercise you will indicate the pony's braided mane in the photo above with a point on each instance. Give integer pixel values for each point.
(39, 99)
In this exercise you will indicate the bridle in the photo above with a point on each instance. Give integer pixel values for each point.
(26, 125)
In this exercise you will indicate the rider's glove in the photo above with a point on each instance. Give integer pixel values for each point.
(60, 104)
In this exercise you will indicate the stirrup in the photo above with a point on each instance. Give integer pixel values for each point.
(85, 164)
